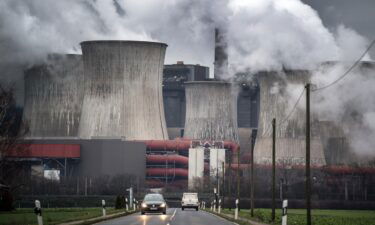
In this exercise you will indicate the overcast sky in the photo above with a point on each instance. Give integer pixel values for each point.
(356, 14)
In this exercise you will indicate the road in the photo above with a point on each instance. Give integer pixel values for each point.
(174, 216)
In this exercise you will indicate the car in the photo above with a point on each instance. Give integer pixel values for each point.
(190, 200)
(153, 203)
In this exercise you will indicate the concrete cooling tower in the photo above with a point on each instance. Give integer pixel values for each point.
(290, 135)
(53, 97)
(123, 90)
(210, 111)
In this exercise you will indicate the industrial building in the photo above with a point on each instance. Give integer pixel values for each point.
(117, 109)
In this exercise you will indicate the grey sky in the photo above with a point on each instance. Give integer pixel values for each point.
(356, 14)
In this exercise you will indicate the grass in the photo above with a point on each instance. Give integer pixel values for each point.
(319, 217)
(52, 216)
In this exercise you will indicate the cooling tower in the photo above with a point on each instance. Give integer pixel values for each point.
(53, 97)
(123, 90)
(290, 135)
(210, 111)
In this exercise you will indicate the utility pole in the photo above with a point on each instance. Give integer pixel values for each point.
(217, 175)
(223, 181)
(252, 186)
(273, 167)
(229, 174)
(238, 173)
(308, 180)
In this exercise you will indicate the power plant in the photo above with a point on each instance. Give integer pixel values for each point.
(118, 106)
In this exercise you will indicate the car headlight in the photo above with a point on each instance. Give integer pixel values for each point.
(162, 205)
(144, 205)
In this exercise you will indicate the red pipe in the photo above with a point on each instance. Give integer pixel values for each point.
(158, 183)
(180, 172)
(329, 169)
(183, 144)
(168, 145)
(348, 170)
(234, 147)
(162, 159)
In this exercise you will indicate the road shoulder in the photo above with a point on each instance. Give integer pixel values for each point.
(230, 217)
(98, 219)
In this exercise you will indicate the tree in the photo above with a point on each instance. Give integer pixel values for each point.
(12, 131)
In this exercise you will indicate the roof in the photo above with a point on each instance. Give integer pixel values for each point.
(46, 151)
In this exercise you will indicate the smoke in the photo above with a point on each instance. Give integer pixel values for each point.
(262, 35)
(266, 35)
(348, 102)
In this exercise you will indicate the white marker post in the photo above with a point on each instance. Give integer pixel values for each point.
(134, 204)
(103, 208)
(215, 205)
(285, 213)
(130, 197)
(204, 205)
(38, 212)
(212, 206)
(219, 210)
(126, 204)
(236, 210)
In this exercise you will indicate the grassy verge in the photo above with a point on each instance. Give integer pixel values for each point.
(227, 217)
(319, 217)
(52, 216)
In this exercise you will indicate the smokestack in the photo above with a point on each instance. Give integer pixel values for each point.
(211, 111)
(221, 56)
(123, 90)
(53, 97)
(290, 136)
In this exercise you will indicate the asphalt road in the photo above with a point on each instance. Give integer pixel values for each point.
(174, 216)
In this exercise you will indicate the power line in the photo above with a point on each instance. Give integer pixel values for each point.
(294, 107)
(348, 71)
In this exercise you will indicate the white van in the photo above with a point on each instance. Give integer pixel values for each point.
(190, 200)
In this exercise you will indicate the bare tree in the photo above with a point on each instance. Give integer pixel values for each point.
(12, 131)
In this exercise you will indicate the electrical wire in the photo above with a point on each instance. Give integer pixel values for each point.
(289, 114)
(348, 71)
(294, 108)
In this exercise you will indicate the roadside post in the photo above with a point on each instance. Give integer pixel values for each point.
(103, 206)
(214, 205)
(126, 204)
(38, 212)
(130, 190)
(285, 213)
(216, 198)
(219, 209)
(236, 210)
(134, 204)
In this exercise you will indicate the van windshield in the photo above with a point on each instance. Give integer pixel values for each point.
(154, 197)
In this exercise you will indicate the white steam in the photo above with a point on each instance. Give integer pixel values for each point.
(348, 103)
(262, 35)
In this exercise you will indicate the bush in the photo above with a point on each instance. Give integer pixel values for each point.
(120, 202)
(6, 200)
